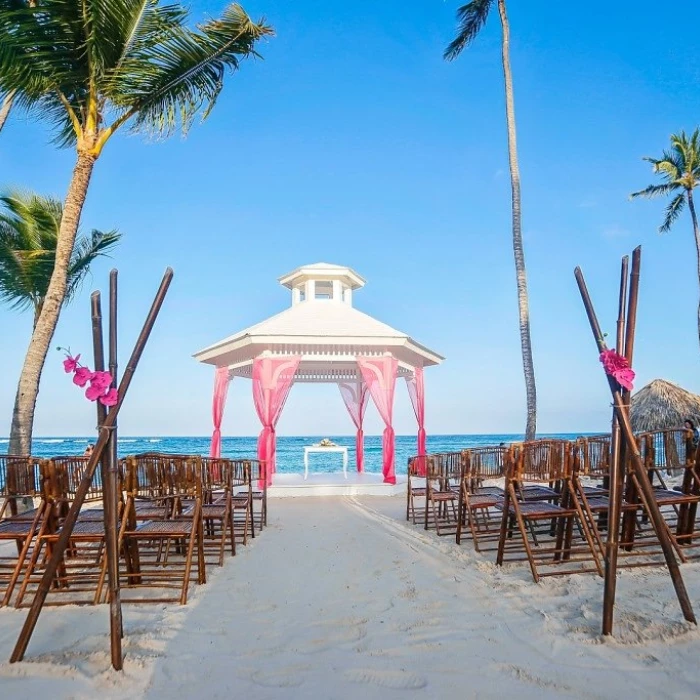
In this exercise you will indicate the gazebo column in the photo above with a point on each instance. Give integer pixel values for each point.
(221, 382)
(272, 380)
(416, 392)
(379, 374)
(355, 396)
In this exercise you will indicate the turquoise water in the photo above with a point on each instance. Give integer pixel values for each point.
(290, 450)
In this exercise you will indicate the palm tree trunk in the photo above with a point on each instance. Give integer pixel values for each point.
(696, 230)
(521, 277)
(5, 108)
(28, 389)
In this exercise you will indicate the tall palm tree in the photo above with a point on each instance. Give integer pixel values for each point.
(679, 169)
(471, 18)
(29, 226)
(91, 68)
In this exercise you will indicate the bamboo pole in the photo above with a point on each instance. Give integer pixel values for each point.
(108, 491)
(104, 432)
(628, 435)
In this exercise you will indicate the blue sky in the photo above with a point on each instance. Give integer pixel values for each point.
(353, 142)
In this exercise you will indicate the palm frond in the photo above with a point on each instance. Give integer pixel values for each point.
(167, 82)
(673, 211)
(655, 191)
(86, 251)
(470, 20)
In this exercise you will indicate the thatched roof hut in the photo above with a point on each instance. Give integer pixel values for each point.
(661, 404)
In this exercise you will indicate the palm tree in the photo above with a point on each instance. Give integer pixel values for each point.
(90, 68)
(29, 226)
(471, 18)
(679, 169)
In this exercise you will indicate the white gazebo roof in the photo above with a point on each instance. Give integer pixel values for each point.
(323, 327)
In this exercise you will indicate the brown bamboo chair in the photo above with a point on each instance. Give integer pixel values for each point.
(480, 505)
(159, 553)
(20, 478)
(442, 471)
(217, 508)
(415, 487)
(554, 508)
(242, 498)
(80, 576)
(258, 494)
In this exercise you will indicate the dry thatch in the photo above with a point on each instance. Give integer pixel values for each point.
(661, 405)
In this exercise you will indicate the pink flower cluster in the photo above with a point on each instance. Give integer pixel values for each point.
(100, 382)
(618, 368)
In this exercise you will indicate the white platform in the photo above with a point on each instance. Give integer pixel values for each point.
(286, 485)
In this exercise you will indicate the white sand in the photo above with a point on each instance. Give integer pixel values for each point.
(340, 598)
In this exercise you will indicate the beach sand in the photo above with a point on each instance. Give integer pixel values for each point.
(341, 598)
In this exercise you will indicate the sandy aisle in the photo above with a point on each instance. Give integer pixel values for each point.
(341, 599)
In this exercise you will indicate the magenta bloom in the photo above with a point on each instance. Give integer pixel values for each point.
(101, 380)
(618, 368)
(70, 364)
(110, 398)
(82, 376)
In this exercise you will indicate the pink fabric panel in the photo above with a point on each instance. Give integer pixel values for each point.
(379, 374)
(416, 391)
(356, 396)
(221, 382)
(272, 380)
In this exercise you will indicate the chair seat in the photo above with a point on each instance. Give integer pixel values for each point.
(666, 497)
(87, 528)
(489, 491)
(443, 495)
(210, 511)
(91, 515)
(166, 528)
(484, 500)
(150, 511)
(543, 510)
(535, 493)
(19, 528)
(592, 491)
(418, 491)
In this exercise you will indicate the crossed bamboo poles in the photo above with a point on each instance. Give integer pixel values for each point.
(105, 451)
(624, 446)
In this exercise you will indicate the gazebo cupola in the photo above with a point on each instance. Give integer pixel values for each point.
(321, 337)
(322, 282)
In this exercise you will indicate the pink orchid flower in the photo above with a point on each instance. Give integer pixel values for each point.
(70, 364)
(110, 398)
(101, 380)
(93, 392)
(618, 368)
(82, 376)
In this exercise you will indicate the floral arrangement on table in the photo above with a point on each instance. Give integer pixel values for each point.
(326, 443)
(99, 382)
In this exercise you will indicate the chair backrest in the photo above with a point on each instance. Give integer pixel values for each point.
(416, 467)
(672, 449)
(594, 456)
(485, 463)
(20, 476)
(541, 461)
(68, 472)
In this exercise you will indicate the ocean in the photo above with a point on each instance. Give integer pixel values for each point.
(290, 450)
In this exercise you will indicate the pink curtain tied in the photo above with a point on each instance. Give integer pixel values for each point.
(272, 380)
(379, 374)
(416, 391)
(221, 382)
(355, 397)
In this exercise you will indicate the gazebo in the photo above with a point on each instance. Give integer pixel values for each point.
(321, 337)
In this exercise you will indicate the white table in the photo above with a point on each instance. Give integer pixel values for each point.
(315, 448)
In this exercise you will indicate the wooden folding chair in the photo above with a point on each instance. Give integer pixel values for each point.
(415, 488)
(480, 505)
(160, 553)
(546, 516)
(258, 493)
(442, 470)
(20, 478)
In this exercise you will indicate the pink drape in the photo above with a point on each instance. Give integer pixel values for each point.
(355, 397)
(221, 382)
(379, 374)
(416, 391)
(272, 380)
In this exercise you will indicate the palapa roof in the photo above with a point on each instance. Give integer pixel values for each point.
(661, 405)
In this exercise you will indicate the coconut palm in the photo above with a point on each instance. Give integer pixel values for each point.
(91, 68)
(29, 226)
(679, 169)
(471, 18)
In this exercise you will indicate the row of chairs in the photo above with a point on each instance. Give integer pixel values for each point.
(546, 501)
(176, 515)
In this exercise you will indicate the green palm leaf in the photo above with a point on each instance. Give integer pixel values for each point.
(470, 20)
